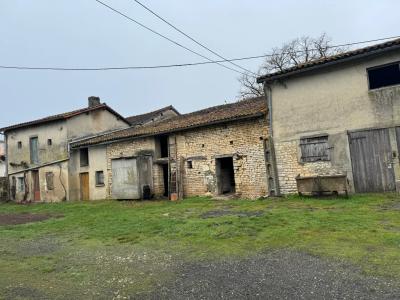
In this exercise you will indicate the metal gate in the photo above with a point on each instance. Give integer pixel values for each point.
(371, 157)
(125, 179)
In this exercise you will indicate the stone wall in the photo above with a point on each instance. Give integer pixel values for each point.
(243, 140)
(289, 166)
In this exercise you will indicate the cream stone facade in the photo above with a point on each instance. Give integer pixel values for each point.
(38, 153)
(332, 101)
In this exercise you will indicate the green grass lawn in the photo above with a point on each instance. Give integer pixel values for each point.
(98, 246)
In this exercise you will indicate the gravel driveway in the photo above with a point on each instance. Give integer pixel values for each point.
(277, 275)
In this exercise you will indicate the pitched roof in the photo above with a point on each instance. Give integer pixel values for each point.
(64, 116)
(250, 108)
(144, 118)
(334, 59)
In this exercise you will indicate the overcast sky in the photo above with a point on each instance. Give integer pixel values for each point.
(69, 33)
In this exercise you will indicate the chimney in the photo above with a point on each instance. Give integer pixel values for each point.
(93, 101)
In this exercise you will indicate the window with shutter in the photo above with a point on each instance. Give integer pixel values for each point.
(314, 149)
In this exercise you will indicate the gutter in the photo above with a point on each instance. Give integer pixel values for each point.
(41, 166)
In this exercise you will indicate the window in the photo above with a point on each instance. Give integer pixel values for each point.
(49, 142)
(99, 178)
(21, 184)
(314, 149)
(190, 164)
(384, 76)
(84, 157)
(50, 181)
(33, 146)
(19, 145)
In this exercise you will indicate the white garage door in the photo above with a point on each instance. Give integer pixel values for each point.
(125, 179)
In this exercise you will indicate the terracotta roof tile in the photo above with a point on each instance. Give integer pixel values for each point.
(63, 116)
(144, 118)
(331, 59)
(255, 107)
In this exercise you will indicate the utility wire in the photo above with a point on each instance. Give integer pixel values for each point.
(178, 65)
(192, 39)
(167, 38)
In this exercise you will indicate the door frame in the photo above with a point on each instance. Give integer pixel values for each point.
(351, 157)
(36, 185)
(80, 186)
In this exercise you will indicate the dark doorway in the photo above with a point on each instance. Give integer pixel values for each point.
(36, 186)
(163, 141)
(166, 181)
(225, 175)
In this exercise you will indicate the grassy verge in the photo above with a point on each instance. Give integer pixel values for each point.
(143, 238)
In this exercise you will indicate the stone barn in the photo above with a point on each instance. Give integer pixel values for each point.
(338, 116)
(216, 151)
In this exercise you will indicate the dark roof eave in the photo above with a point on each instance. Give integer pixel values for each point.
(83, 144)
(269, 79)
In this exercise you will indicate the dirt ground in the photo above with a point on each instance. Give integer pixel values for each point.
(15, 219)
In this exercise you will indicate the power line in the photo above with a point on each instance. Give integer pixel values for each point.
(165, 37)
(192, 39)
(177, 65)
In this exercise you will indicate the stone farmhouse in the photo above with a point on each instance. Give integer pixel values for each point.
(38, 151)
(334, 117)
(338, 115)
(215, 151)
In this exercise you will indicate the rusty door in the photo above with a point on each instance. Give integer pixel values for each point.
(36, 185)
(125, 179)
(371, 158)
(84, 180)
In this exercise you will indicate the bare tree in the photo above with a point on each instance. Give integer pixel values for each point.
(291, 54)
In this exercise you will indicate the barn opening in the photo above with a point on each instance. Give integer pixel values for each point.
(225, 175)
(166, 181)
(162, 146)
(382, 76)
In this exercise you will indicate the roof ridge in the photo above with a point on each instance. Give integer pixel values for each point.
(62, 116)
(329, 59)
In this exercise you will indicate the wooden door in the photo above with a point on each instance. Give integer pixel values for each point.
(371, 158)
(145, 171)
(36, 186)
(84, 179)
(125, 179)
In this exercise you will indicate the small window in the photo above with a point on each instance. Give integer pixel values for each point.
(19, 145)
(49, 142)
(190, 164)
(50, 181)
(84, 157)
(314, 149)
(99, 178)
(21, 184)
(384, 76)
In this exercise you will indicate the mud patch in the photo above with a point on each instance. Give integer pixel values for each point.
(228, 212)
(16, 219)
